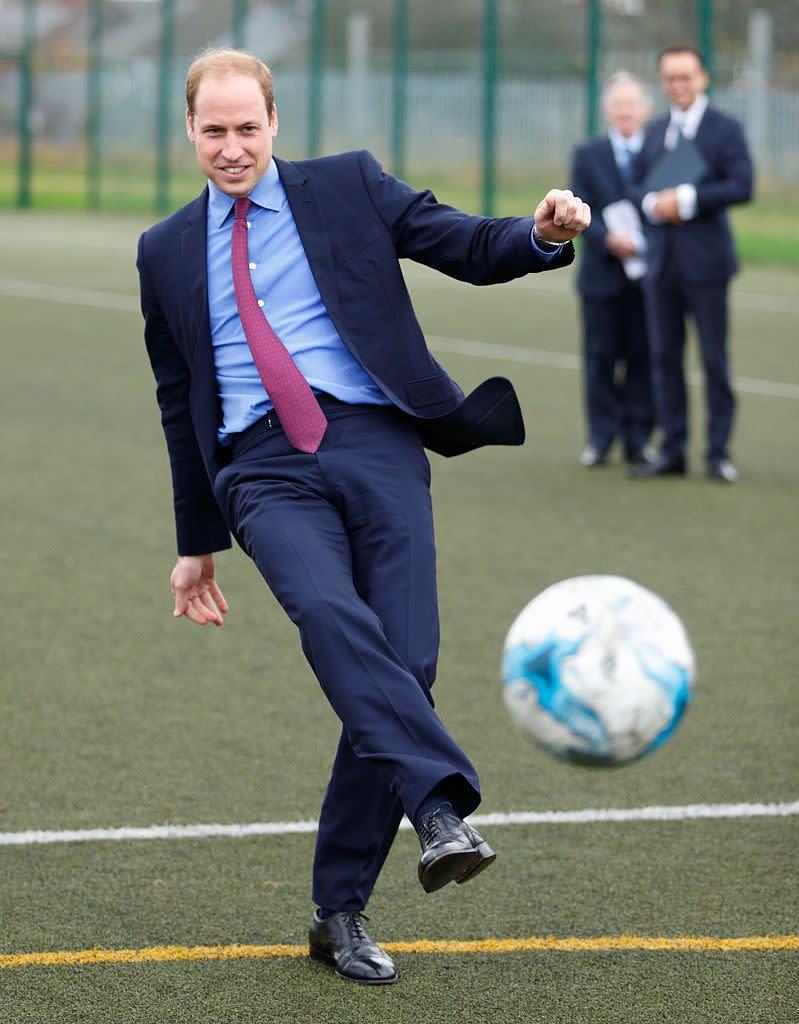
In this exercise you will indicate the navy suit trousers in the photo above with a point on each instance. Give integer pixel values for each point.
(617, 377)
(669, 301)
(344, 539)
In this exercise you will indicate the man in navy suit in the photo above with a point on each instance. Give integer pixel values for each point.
(288, 274)
(691, 260)
(618, 393)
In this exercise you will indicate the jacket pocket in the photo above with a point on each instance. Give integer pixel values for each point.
(429, 390)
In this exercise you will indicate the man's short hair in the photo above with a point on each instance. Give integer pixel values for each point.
(681, 49)
(624, 78)
(222, 63)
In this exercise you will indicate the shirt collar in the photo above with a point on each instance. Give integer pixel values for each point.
(268, 193)
(619, 142)
(691, 117)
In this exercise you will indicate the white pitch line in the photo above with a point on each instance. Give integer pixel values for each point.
(43, 292)
(689, 812)
(117, 302)
(564, 361)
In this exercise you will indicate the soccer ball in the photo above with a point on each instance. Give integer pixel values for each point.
(598, 670)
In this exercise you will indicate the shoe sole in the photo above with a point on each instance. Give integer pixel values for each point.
(458, 866)
(487, 858)
(325, 958)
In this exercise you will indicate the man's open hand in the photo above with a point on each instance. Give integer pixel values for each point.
(561, 216)
(196, 593)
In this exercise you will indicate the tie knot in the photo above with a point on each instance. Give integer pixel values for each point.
(240, 208)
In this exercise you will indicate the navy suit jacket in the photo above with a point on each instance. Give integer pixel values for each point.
(704, 245)
(355, 222)
(596, 180)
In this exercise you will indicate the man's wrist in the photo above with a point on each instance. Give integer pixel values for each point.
(543, 244)
(686, 201)
(648, 208)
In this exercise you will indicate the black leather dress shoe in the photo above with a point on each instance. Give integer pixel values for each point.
(723, 470)
(593, 455)
(639, 455)
(663, 465)
(342, 941)
(451, 850)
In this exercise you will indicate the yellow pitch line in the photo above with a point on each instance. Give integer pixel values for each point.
(161, 954)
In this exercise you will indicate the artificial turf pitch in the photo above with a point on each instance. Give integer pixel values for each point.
(114, 714)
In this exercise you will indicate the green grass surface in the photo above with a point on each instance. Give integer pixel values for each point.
(115, 714)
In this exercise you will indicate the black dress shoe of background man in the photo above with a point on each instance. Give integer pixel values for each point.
(723, 470)
(594, 455)
(663, 465)
(639, 454)
(342, 941)
(451, 849)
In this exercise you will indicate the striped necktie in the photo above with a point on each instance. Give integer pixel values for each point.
(300, 414)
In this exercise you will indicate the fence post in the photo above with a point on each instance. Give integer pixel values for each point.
(399, 87)
(490, 70)
(25, 127)
(315, 57)
(594, 40)
(240, 11)
(164, 87)
(705, 34)
(93, 148)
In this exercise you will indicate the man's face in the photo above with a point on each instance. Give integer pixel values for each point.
(682, 78)
(232, 132)
(626, 108)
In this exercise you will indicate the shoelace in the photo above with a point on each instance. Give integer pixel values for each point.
(355, 926)
(429, 828)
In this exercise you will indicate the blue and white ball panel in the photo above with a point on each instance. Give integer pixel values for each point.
(597, 669)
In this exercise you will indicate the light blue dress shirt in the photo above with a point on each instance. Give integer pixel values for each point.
(291, 302)
(287, 293)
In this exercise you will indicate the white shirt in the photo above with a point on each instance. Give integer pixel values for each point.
(686, 122)
(623, 145)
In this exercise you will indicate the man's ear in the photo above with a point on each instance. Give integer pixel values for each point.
(273, 122)
(189, 126)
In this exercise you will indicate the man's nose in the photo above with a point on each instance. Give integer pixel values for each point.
(232, 147)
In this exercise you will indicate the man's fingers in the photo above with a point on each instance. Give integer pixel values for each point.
(180, 601)
(197, 612)
(561, 205)
(219, 597)
(207, 600)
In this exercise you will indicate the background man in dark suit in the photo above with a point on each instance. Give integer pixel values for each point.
(296, 392)
(691, 260)
(617, 387)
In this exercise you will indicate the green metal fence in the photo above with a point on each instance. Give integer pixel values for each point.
(481, 93)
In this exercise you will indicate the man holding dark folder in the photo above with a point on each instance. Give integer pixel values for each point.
(694, 163)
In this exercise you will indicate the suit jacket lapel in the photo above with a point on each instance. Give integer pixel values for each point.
(310, 222)
(193, 251)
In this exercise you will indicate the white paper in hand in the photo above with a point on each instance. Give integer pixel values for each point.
(622, 218)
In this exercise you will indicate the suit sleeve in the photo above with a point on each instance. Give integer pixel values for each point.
(479, 250)
(198, 519)
(736, 183)
(581, 186)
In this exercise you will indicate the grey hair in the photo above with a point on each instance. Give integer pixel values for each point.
(625, 78)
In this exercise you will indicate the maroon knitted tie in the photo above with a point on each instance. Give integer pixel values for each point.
(300, 415)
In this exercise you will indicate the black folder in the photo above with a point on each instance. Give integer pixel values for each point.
(682, 165)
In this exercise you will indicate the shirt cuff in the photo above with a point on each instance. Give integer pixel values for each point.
(547, 255)
(686, 201)
(648, 206)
